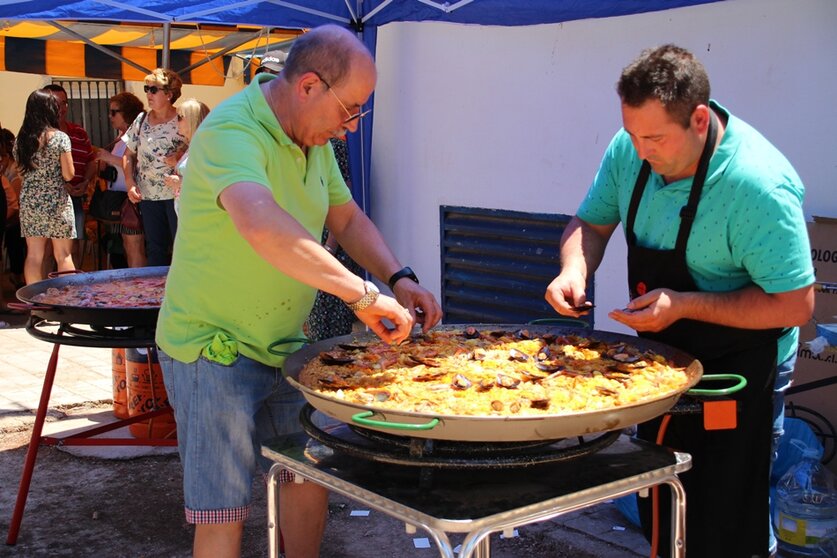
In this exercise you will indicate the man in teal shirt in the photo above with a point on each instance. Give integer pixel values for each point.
(718, 266)
(261, 183)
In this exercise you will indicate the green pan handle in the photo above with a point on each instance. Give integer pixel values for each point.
(742, 383)
(272, 348)
(363, 418)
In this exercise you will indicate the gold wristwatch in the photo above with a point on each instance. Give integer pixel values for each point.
(369, 297)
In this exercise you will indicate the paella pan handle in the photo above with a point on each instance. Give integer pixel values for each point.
(274, 350)
(741, 383)
(363, 418)
(570, 322)
(54, 274)
(26, 306)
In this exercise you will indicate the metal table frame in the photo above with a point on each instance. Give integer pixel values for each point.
(291, 452)
(83, 438)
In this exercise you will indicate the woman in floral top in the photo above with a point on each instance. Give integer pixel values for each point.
(152, 138)
(45, 160)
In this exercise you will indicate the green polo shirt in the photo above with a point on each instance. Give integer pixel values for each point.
(217, 282)
(750, 228)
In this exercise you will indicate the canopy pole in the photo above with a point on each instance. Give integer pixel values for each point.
(213, 56)
(166, 44)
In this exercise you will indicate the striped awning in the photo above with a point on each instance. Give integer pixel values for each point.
(201, 54)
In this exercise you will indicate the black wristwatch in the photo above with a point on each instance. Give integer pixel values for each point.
(401, 274)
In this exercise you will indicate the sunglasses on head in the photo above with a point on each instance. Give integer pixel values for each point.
(153, 89)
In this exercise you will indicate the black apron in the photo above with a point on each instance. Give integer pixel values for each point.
(727, 489)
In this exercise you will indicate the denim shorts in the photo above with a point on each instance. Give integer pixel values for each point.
(223, 414)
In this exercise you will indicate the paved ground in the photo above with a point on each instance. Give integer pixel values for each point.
(99, 506)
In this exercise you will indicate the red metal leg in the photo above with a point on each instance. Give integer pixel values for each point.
(79, 439)
(32, 452)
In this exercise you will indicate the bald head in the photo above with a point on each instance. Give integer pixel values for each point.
(330, 51)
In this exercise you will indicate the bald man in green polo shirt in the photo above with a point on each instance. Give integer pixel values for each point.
(261, 183)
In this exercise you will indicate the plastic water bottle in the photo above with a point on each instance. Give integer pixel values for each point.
(806, 508)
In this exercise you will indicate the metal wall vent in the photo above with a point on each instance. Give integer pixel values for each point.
(496, 264)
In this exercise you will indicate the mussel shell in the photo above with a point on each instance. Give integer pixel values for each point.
(507, 382)
(548, 367)
(333, 382)
(332, 358)
(471, 333)
(352, 347)
(523, 334)
(461, 382)
(485, 385)
(518, 356)
(625, 357)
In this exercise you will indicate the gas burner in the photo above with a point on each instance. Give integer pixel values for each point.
(447, 447)
(444, 454)
(85, 335)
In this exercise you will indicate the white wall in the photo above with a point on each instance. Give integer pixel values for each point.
(518, 117)
(16, 88)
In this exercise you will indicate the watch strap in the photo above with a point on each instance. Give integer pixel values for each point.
(369, 297)
(401, 274)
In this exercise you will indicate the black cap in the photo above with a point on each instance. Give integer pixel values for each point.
(273, 62)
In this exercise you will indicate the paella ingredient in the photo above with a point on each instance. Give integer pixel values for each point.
(126, 292)
(494, 373)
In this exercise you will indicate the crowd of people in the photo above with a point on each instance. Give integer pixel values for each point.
(51, 173)
(718, 263)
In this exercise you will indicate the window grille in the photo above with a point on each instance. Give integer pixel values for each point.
(89, 104)
(497, 264)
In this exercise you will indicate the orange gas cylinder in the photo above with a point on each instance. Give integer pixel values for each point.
(120, 395)
(146, 393)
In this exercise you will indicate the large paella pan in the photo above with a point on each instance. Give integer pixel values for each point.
(143, 287)
(442, 426)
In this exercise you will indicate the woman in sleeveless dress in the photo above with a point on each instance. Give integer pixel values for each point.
(45, 161)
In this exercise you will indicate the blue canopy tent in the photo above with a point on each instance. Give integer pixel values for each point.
(364, 17)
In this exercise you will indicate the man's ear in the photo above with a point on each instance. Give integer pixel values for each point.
(307, 82)
(700, 118)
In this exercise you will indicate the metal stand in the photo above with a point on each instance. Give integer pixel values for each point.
(479, 503)
(79, 439)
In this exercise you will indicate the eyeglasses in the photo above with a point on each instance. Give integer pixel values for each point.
(153, 89)
(351, 117)
(114, 112)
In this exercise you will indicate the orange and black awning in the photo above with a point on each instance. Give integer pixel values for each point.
(201, 55)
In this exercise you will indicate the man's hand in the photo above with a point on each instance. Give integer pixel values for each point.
(77, 189)
(420, 304)
(566, 293)
(653, 311)
(389, 308)
(747, 308)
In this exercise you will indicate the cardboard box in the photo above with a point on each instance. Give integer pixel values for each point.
(822, 367)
